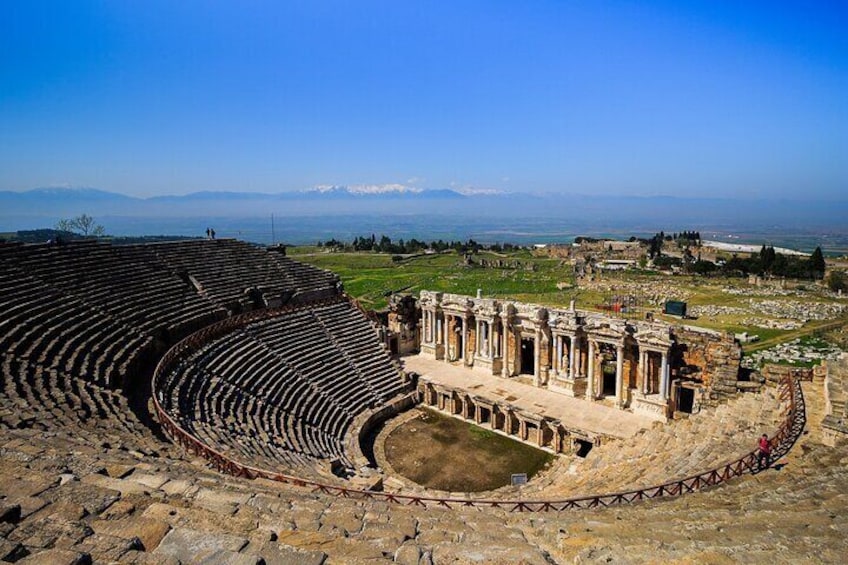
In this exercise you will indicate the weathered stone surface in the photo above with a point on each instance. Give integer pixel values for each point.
(117, 471)
(135, 557)
(186, 544)
(107, 547)
(10, 551)
(122, 486)
(279, 554)
(153, 481)
(120, 509)
(407, 554)
(57, 557)
(224, 557)
(93, 498)
(490, 553)
(148, 531)
(179, 487)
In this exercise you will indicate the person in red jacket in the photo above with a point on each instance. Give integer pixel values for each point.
(763, 453)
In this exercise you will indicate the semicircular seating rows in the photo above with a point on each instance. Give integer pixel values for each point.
(80, 321)
(283, 392)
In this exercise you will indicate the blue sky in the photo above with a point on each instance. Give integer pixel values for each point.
(705, 98)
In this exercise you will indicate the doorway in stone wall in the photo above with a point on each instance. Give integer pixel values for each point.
(528, 356)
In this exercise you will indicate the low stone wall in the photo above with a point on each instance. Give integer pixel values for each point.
(366, 422)
(774, 374)
(542, 432)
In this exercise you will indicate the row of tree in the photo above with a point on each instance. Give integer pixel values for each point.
(765, 263)
(684, 239)
(385, 244)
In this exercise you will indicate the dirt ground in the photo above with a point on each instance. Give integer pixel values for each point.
(444, 453)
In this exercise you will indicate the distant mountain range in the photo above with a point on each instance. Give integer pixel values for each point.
(42, 206)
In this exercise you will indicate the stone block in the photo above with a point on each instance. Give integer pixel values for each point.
(122, 486)
(118, 510)
(224, 557)
(57, 557)
(179, 487)
(153, 481)
(148, 530)
(186, 544)
(274, 553)
(119, 471)
(407, 554)
(10, 551)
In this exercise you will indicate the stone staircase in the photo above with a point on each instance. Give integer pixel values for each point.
(72, 500)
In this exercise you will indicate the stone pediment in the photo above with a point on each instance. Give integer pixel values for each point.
(606, 329)
(654, 337)
(457, 303)
(429, 298)
(566, 322)
(486, 308)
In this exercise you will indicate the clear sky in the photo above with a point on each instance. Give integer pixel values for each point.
(681, 98)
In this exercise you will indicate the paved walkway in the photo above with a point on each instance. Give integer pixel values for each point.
(575, 412)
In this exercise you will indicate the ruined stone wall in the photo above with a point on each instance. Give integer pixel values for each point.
(545, 356)
(711, 358)
(773, 374)
(403, 322)
(514, 346)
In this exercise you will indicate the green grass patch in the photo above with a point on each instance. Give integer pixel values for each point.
(444, 453)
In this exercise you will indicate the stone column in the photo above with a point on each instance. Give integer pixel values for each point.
(643, 371)
(664, 376)
(505, 350)
(619, 369)
(590, 389)
(463, 350)
(537, 357)
(490, 344)
(573, 352)
(558, 356)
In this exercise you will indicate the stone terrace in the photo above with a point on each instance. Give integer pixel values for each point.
(73, 502)
(82, 480)
(647, 454)
(282, 393)
(595, 418)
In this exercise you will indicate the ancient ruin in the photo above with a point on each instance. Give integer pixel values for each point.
(643, 366)
(268, 379)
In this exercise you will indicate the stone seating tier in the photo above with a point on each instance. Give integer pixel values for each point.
(283, 391)
(64, 500)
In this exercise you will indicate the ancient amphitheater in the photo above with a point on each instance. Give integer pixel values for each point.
(212, 402)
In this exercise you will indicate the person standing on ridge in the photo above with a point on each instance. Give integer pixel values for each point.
(763, 453)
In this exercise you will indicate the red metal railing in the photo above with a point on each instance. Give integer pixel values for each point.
(789, 430)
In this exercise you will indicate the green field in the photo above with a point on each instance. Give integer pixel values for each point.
(372, 277)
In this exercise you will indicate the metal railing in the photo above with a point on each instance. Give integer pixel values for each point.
(791, 427)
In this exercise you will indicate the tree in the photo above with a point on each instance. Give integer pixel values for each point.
(817, 265)
(837, 281)
(82, 224)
